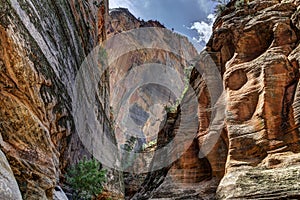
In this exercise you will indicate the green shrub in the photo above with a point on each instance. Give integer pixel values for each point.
(86, 178)
(221, 6)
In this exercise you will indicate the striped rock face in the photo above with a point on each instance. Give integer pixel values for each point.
(42, 45)
(256, 156)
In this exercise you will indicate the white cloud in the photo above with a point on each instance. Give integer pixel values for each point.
(124, 4)
(204, 5)
(119, 3)
(204, 28)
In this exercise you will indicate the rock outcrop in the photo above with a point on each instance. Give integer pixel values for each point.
(255, 48)
(120, 20)
(261, 75)
(9, 188)
(156, 52)
(42, 47)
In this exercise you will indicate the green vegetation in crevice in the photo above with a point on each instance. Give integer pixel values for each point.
(221, 5)
(149, 145)
(86, 178)
(129, 145)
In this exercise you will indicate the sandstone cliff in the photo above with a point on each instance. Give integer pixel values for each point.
(245, 144)
(42, 47)
(162, 53)
(255, 47)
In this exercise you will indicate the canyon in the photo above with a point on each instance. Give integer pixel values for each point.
(219, 124)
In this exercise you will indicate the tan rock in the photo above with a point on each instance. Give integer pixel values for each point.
(9, 188)
(148, 101)
(257, 156)
(42, 45)
(261, 85)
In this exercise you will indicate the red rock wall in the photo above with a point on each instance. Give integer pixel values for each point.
(261, 80)
(42, 45)
(256, 50)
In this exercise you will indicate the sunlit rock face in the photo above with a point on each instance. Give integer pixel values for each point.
(148, 101)
(254, 154)
(42, 45)
(255, 47)
(196, 172)
(120, 19)
(144, 83)
(258, 45)
(189, 173)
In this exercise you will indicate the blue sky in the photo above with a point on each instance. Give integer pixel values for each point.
(192, 18)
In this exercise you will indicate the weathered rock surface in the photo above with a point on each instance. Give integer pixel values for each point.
(9, 188)
(261, 78)
(196, 173)
(256, 49)
(158, 53)
(261, 75)
(42, 47)
(59, 194)
(120, 19)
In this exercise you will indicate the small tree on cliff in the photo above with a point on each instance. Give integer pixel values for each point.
(86, 178)
(221, 6)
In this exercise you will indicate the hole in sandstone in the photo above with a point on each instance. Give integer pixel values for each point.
(57, 188)
(236, 80)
